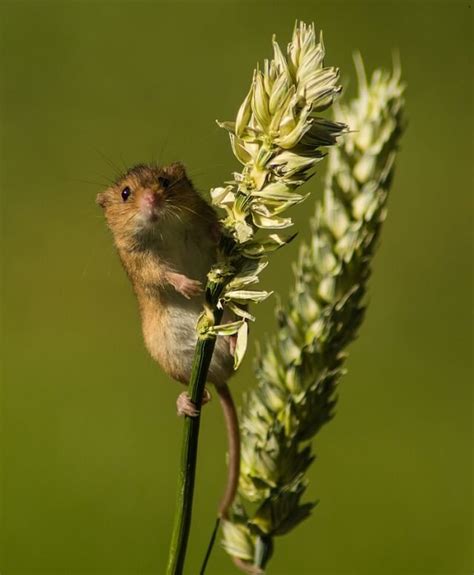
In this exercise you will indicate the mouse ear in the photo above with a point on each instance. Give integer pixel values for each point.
(101, 199)
(177, 170)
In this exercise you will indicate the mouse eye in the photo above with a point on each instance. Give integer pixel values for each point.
(126, 193)
(164, 182)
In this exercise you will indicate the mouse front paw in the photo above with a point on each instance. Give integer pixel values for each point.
(185, 286)
(191, 288)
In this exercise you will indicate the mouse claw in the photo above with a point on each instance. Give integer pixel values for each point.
(185, 406)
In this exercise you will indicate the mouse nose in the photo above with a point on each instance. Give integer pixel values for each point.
(151, 200)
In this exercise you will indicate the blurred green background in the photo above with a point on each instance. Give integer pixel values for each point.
(89, 436)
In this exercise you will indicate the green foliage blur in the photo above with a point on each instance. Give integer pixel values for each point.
(89, 437)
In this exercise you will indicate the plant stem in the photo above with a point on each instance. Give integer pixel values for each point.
(187, 473)
(210, 546)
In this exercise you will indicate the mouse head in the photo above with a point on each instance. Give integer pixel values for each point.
(145, 200)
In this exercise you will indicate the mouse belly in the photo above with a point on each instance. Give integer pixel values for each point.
(170, 337)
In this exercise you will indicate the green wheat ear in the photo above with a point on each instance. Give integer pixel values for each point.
(299, 369)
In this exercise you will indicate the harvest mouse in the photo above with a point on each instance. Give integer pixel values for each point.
(166, 236)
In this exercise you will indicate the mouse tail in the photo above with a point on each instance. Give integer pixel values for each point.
(233, 437)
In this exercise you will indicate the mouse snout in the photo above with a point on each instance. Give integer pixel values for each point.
(151, 204)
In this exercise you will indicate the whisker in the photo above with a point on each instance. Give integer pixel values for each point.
(178, 181)
(106, 178)
(124, 165)
(195, 213)
(108, 161)
(129, 219)
(92, 182)
(178, 217)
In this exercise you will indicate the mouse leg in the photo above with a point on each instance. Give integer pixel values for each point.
(185, 406)
(184, 285)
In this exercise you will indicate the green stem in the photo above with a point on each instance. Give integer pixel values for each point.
(187, 472)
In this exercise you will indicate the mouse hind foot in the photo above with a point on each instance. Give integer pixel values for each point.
(184, 405)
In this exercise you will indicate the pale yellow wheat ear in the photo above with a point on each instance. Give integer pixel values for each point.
(278, 136)
(298, 370)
